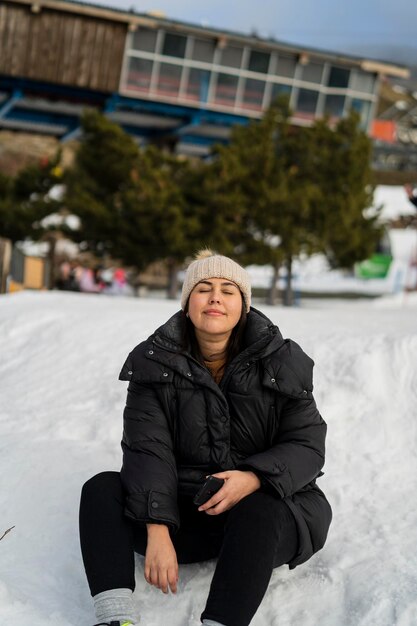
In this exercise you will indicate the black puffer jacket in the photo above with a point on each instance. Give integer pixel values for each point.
(179, 426)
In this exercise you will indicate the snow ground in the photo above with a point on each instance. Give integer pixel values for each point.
(60, 423)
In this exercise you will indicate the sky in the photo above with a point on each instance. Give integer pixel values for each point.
(353, 26)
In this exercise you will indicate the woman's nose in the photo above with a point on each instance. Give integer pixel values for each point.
(215, 297)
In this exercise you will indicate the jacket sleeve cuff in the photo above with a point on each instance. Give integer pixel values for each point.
(153, 507)
(279, 481)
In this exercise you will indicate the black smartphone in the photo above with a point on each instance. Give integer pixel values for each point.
(210, 487)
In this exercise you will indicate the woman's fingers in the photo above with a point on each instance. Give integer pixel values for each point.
(151, 576)
(167, 580)
(163, 581)
(214, 500)
(173, 579)
(157, 579)
(221, 507)
(238, 484)
(161, 578)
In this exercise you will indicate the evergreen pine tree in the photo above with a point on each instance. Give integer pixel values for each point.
(288, 191)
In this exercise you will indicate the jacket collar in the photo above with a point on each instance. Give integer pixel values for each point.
(261, 335)
(291, 373)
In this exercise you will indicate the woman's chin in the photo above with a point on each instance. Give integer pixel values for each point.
(214, 326)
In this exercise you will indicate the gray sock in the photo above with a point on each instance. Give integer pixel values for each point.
(210, 622)
(114, 604)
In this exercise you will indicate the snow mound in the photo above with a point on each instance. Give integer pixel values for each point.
(60, 423)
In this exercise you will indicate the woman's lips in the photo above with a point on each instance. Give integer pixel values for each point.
(214, 313)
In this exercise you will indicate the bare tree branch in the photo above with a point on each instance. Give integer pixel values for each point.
(5, 532)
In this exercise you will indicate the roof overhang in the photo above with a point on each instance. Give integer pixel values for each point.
(133, 20)
(378, 67)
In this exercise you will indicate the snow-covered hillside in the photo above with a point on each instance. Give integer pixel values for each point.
(60, 423)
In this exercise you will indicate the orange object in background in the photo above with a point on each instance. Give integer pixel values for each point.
(34, 273)
(14, 286)
(384, 130)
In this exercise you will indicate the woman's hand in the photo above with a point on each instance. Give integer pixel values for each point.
(161, 565)
(237, 485)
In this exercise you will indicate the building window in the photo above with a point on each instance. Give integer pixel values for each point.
(363, 107)
(253, 94)
(279, 91)
(139, 74)
(339, 77)
(226, 89)
(203, 50)
(174, 45)
(169, 79)
(258, 61)
(231, 56)
(363, 82)
(307, 101)
(312, 72)
(334, 105)
(286, 65)
(145, 39)
(198, 85)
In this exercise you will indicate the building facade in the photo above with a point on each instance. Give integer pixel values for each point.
(164, 80)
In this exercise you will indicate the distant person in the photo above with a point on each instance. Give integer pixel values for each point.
(68, 276)
(411, 193)
(87, 281)
(215, 392)
(64, 276)
(75, 276)
(106, 276)
(98, 278)
(119, 281)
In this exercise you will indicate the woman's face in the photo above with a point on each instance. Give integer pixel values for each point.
(215, 306)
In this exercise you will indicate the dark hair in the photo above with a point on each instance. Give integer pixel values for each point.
(234, 345)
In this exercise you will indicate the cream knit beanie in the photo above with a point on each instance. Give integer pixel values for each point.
(206, 265)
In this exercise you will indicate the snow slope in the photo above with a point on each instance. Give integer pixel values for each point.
(60, 423)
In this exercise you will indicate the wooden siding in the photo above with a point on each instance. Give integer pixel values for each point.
(61, 47)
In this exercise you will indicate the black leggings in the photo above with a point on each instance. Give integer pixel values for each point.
(256, 535)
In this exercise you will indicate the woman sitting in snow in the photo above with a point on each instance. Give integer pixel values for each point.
(214, 391)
